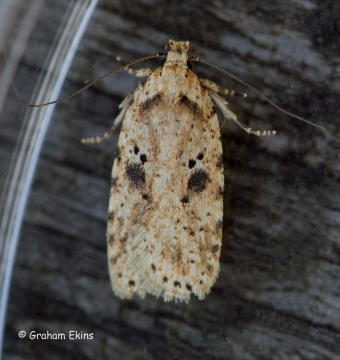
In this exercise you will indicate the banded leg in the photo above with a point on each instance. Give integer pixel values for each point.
(228, 114)
(144, 72)
(123, 106)
(210, 85)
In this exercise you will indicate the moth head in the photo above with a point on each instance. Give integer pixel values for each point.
(178, 53)
(178, 46)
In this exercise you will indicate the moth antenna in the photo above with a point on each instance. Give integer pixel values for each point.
(97, 80)
(256, 91)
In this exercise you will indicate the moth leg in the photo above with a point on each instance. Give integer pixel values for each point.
(144, 72)
(228, 114)
(123, 106)
(210, 85)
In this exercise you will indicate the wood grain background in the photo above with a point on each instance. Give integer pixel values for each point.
(278, 292)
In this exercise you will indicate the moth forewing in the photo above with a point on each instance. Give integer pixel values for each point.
(166, 203)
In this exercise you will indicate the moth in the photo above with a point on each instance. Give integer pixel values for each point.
(165, 218)
(164, 232)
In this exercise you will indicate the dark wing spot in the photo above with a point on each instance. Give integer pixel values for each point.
(177, 284)
(191, 163)
(111, 239)
(111, 216)
(219, 162)
(219, 225)
(192, 106)
(188, 287)
(212, 113)
(136, 174)
(118, 156)
(113, 260)
(114, 181)
(131, 283)
(210, 268)
(215, 248)
(165, 279)
(198, 181)
(143, 158)
(148, 104)
(145, 196)
(185, 199)
(123, 239)
(136, 150)
(200, 156)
